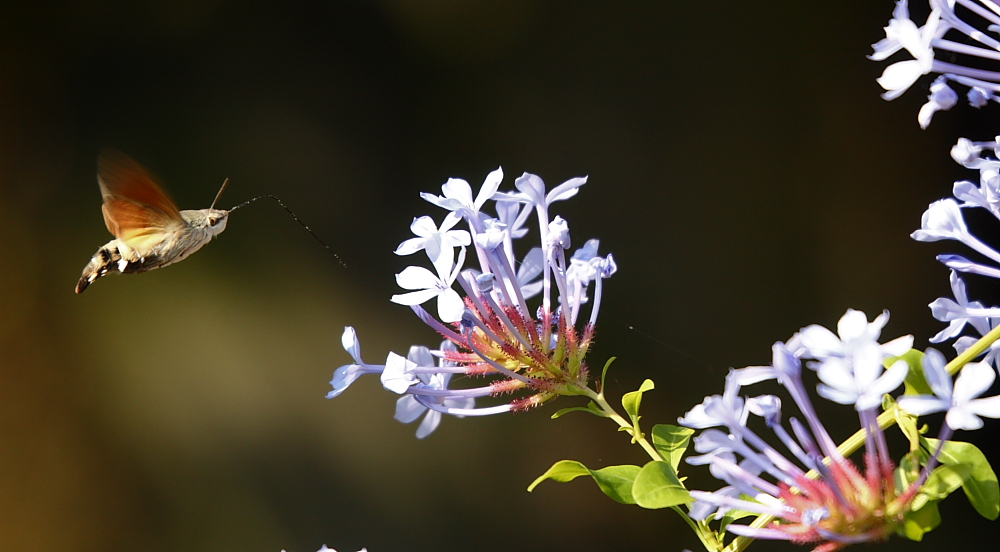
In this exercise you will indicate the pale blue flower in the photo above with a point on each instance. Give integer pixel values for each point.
(344, 376)
(976, 44)
(414, 405)
(429, 286)
(959, 312)
(941, 98)
(843, 504)
(902, 32)
(457, 197)
(535, 353)
(398, 375)
(961, 402)
(860, 382)
(438, 243)
(854, 333)
(942, 221)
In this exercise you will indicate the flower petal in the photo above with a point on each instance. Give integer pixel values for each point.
(430, 423)
(974, 380)
(450, 306)
(408, 409)
(397, 377)
(417, 277)
(922, 404)
(415, 297)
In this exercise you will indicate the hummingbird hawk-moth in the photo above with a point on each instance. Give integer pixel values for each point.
(150, 232)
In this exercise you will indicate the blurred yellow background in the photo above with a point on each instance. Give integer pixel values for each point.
(743, 170)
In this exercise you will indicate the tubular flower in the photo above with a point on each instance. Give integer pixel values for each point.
(973, 23)
(830, 503)
(945, 220)
(530, 355)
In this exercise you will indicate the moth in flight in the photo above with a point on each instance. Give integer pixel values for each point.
(150, 232)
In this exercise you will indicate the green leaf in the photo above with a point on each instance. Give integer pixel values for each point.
(917, 523)
(631, 402)
(980, 485)
(671, 442)
(614, 481)
(734, 515)
(604, 373)
(906, 422)
(943, 481)
(591, 408)
(909, 470)
(916, 384)
(657, 486)
(562, 471)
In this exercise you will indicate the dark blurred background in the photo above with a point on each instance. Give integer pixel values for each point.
(743, 170)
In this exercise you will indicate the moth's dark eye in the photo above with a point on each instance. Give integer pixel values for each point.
(212, 221)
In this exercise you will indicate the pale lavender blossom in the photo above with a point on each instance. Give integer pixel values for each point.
(843, 506)
(429, 286)
(960, 311)
(412, 406)
(537, 353)
(961, 402)
(945, 220)
(928, 45)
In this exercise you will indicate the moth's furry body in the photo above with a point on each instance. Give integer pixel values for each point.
(117, 257)
(150, 232)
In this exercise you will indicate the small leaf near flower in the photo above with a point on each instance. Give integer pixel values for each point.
(591, 408)
(671, 442)
(980, 485)
(918, 522)
(631, 402)
(657, 486)
(614, 481)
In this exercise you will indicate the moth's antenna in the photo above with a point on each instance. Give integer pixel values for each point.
(285, 207)
(218, 195)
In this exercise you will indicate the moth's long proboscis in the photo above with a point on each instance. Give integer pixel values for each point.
(285, 207)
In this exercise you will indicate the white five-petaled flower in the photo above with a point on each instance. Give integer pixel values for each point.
(942, 221)
(956, 312)
(438, 243)
(457, 197)
(902, 32)
(429, 286)
(410, 407)
(854, 333)
(398, 374)
(344, 376)
(861, 381)
(532, 190)
(961, 402)
(849, 364)
(969, 61)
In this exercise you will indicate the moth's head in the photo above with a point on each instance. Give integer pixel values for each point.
(212, 220)
(215, 220)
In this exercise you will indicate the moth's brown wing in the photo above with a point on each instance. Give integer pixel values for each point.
(136, 209)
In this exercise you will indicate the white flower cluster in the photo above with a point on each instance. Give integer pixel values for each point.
(975, 24)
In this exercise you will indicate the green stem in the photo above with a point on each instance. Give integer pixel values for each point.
(637, 435)
(704, 533)
(885, 420)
